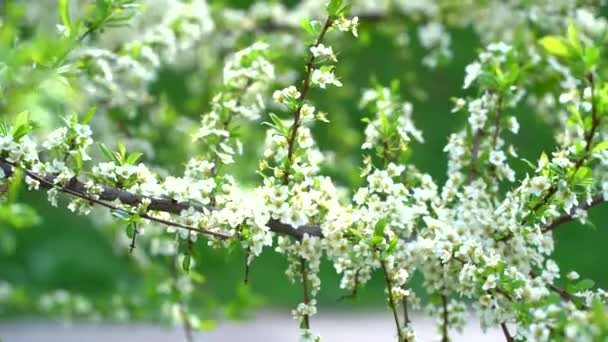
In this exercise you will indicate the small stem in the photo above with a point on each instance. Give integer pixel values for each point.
(304, 275)
(444, 327)
(297, 120)
(475, 154)
(246, 279)
(406, 317)
(353, 294)
(391, 300)
(505, 331)
(132, 246)
(499, 111)
(188, 335)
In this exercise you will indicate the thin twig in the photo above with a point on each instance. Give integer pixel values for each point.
(499, 111)
(353, 294)
(304, 275)
(406, 316)
(475, 154)
(297, 120)
(391, 300)
(505, 331)
(589, 135)
(445, 317)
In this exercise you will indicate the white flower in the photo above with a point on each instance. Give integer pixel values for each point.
(323, 78)
(569, 96)
(344, 24)
(473, 71)
(285, 95)
(478, 119)
(321, 51)
(572, 275)
(561, 159)
(513, 125)
(126, 171)
(538, 332)
(538, 185)
(459, 103)
(32, 184)
(55, 138)
(499, 47)
(307, 111)
(497, 157)
(490, 283)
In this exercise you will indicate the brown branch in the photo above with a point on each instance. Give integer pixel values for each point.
(561, 292)
(110, 194)
(70, 189)
(589, 135)
(599, 199)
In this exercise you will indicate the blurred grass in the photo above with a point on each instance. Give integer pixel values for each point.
(67, 251)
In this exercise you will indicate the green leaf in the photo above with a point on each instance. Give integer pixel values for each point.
(106, 152)
(120, 214)
(591, 56)
(601, 146)
(598, 314)
(64, 13)
(529, 163)
(22, 119)
(573, 37)
(19, 215)
(584, 284)
(21, 131)
(393, 244)
(89, 115)
(306, 25)
(122, 151)
(133, 157)
(555, 46)
(279, 125)
(130, 230)
(186, 263)
(379, 227)
(334, 6)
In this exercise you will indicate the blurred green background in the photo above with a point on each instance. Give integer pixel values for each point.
(69, 252)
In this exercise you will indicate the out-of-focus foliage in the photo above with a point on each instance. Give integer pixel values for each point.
(149, 70)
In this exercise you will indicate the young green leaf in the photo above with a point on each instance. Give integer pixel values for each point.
(555, 46)
(64, 14)
(186, 263)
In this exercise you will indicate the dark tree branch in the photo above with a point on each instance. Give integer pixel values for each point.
(599, 199)
(589, 135)
(110, 194)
